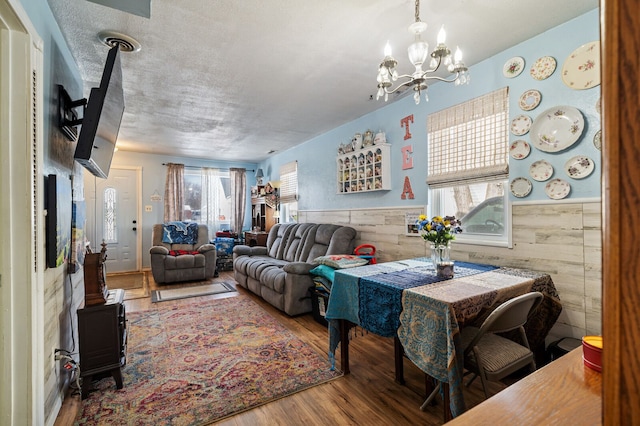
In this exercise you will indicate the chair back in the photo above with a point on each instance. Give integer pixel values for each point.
(510, 315)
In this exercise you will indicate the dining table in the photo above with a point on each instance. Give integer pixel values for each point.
(424, 312)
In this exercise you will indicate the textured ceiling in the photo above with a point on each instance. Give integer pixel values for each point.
(234, 79)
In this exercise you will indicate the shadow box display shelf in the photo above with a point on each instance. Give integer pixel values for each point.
(364, 170)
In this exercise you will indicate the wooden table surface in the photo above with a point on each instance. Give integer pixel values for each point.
(564, 391)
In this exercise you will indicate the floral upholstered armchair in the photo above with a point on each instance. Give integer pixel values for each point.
(181, 251)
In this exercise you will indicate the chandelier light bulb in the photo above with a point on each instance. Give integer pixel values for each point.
(433, 63)
(442, 35)
(387, 49)
(416, 97)
(458, 55)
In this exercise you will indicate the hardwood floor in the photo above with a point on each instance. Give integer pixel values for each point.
(369, 395)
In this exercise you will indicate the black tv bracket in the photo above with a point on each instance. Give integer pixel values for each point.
(68, 120)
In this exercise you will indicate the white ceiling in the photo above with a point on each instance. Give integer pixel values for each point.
(234, 79)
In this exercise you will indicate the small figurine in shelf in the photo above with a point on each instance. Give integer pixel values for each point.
(360, 185)
(369, 171)
(369, 157)
(369, 184)
(378, 183)
(377, 172)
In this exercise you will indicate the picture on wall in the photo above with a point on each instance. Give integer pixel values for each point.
(58, 204)
(78, 219)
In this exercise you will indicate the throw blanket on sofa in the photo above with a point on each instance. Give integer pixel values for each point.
(180, 233)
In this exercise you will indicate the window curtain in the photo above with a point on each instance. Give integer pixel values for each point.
(238, 178)
(174, 193)
(289, 182)
(469, 142)
(210, 203)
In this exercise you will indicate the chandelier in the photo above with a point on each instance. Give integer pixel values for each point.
(418, 52)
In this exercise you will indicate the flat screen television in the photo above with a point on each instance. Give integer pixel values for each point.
(102, 118)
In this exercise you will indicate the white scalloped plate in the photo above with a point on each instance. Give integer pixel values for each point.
(520, 125)
(513, 67)
(557, 189)
(521, 187)
(520, 149)
(530, 100)
(557, 128)
(541, 170)
(579, 167)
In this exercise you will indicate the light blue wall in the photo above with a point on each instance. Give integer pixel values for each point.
(317, 157)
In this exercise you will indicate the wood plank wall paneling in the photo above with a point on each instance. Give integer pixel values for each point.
(620, 43)
(561, 239)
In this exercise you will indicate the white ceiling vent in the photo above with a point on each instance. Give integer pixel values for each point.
(126, 43)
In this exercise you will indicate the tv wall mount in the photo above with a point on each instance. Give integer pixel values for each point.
(68, 120)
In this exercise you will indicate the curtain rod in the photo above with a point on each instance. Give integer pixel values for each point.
(201, 167)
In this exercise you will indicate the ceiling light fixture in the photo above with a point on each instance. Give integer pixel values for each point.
(418, 52)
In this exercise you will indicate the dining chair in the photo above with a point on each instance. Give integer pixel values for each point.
(493, 357)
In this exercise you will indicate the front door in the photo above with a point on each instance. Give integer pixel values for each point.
(112, 217)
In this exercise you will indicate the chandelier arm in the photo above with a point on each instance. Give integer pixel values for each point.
(406, 83)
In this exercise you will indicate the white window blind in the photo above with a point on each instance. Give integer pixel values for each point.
(289, 182)
(469, 142)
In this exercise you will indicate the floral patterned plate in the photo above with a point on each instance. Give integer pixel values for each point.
(520, 125)
(597, 140)
(521, 187)
(579, 167)
(581, 70)
(520, 149)
(557, 189)
(530, 100)
(557, 128)
(513, 67)
(543, 68)
(541, 170)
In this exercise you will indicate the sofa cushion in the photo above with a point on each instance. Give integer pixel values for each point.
(295, 241)
(277, 239)
(273, 277)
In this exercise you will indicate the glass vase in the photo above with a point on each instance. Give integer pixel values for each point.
(441, 258)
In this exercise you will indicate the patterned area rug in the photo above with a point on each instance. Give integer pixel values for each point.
(195, 363)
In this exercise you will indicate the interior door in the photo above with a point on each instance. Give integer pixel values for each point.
(112, 217)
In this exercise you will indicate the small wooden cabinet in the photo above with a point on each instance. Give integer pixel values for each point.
(255, 238)
(102, 334)
(364, 170)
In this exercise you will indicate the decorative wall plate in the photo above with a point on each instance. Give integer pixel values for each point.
(557, 128)
(557, 189)
(541, 170)
(581, 70)
(543, 68)
(579, 167)
(520, 125)
(513, 67)
(530, 100)
(520, 149)
(521, 187)
(597, 140)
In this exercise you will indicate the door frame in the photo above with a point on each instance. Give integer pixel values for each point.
(22, 381)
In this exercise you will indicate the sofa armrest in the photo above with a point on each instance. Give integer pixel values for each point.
(159, 250)
(249, 251)
(206, 247)
(299, 268)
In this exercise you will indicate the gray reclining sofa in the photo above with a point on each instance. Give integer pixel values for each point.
(279, 272)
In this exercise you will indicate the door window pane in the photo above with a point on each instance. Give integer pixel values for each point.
(109, 214)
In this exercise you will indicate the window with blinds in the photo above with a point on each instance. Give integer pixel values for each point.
(289, 182)
(288, 193)
(469, 142)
